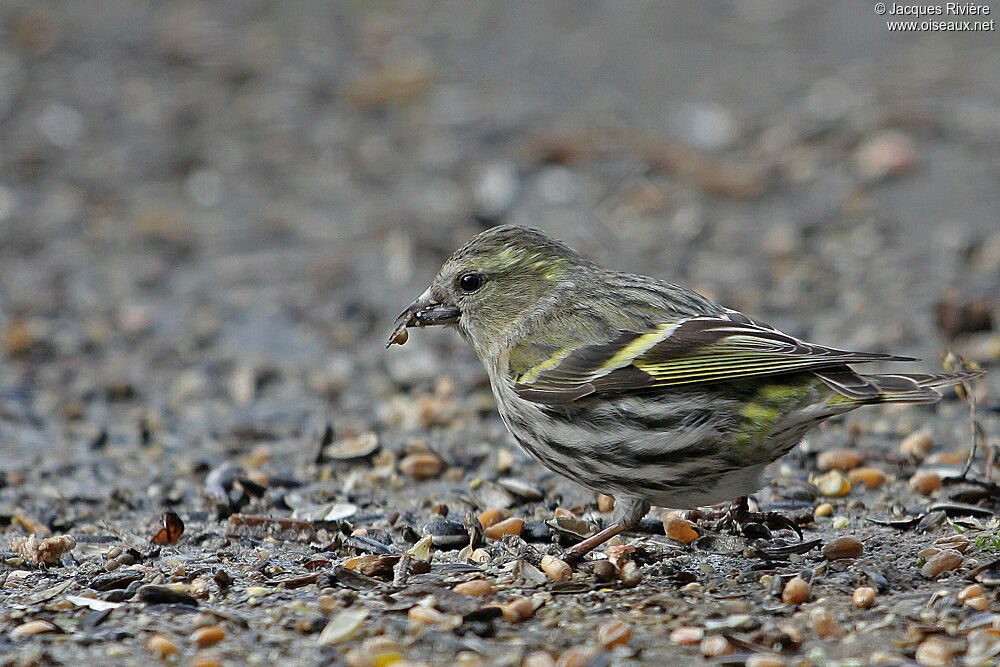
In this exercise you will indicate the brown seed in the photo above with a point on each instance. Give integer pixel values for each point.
(686, 635)
(765, 660)
(209, 635)
(511, 526)
(925, 483)
(680, 530)
(205, 661)
(518, 609)
(538, 659)
(715, 646)
(947, 560)
(36, 627)
(491, 516)
(614, 633)
(577, 656)
(605, 503)
(934, 652)
(917, 444)
(422, 615)
(970, 591)
(563, 513)
(400, 337)
(630, 574)
(843, 547)
(838, 459)
(796, 591)
(556, 568)
(421, 466)
(864, 597)
(832, 484)
(822, 623)
(161, 646)
(480, 556)
(823, 509)
(978, 603)
(872, 478)
(604, 571)
(476, 588)
(946, 459)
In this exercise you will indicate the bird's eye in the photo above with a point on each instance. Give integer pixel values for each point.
(470, 282)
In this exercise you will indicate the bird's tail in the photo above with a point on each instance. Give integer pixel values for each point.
(855, 388)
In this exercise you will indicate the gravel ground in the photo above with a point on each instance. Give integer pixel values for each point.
(211, 212)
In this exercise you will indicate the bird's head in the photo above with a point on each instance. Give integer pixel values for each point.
(491, 285)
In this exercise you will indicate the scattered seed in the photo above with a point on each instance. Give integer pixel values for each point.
(343, 627)
(31, 628)
(917, 444)
(978, 603)
(832, 484)
(715, 646)
(604, 571)
(946, 560)
(491, 516)
(538, 659)
(605, 503)
(614, 633)
(970, 591)
(421, 466)
(843, 547)
(518, 609)
(765, 660)
(864, 597)
(630, 574)
(480, 556)
(934, 652)
(838, 459)
(556, 568)
(511, 526)
(822, 623)
(925, 482)
(823, 509)
(680, 530)
(796, 591)
(872, 478)
(840, 522)
(476, 588)
(161, 646)
(577, 656)
(687, 635)
(209, 635)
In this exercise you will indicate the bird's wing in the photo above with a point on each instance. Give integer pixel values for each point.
(693, 350)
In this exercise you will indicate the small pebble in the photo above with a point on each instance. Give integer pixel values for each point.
(209, 635)
(687, 635)
(823, 509)
(511, 526)
(476, 588)
(864, 597)
(680, 530)
(614, 633)
(872, 478)
(917, 444)
(832, 484)
(887, 153)
(925, 483)
(421, 466)
(556, 568)
(843, 547)
(934, 652)
(796, 591)
(605, 503)
(838, 459)
(822, 623)
(161, 646)
(946, 560)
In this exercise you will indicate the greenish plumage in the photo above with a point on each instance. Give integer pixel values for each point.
(636, 387)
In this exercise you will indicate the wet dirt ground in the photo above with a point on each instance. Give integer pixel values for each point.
(210, 213)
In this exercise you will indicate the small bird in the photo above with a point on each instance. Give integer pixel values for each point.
(639, 388)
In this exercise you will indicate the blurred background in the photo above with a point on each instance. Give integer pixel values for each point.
(210, 212)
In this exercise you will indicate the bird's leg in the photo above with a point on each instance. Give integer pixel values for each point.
(738, 514)
(628, 512)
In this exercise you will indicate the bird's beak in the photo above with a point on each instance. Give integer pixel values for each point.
(425, 311)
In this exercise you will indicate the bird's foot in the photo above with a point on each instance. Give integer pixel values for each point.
(738, 518)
